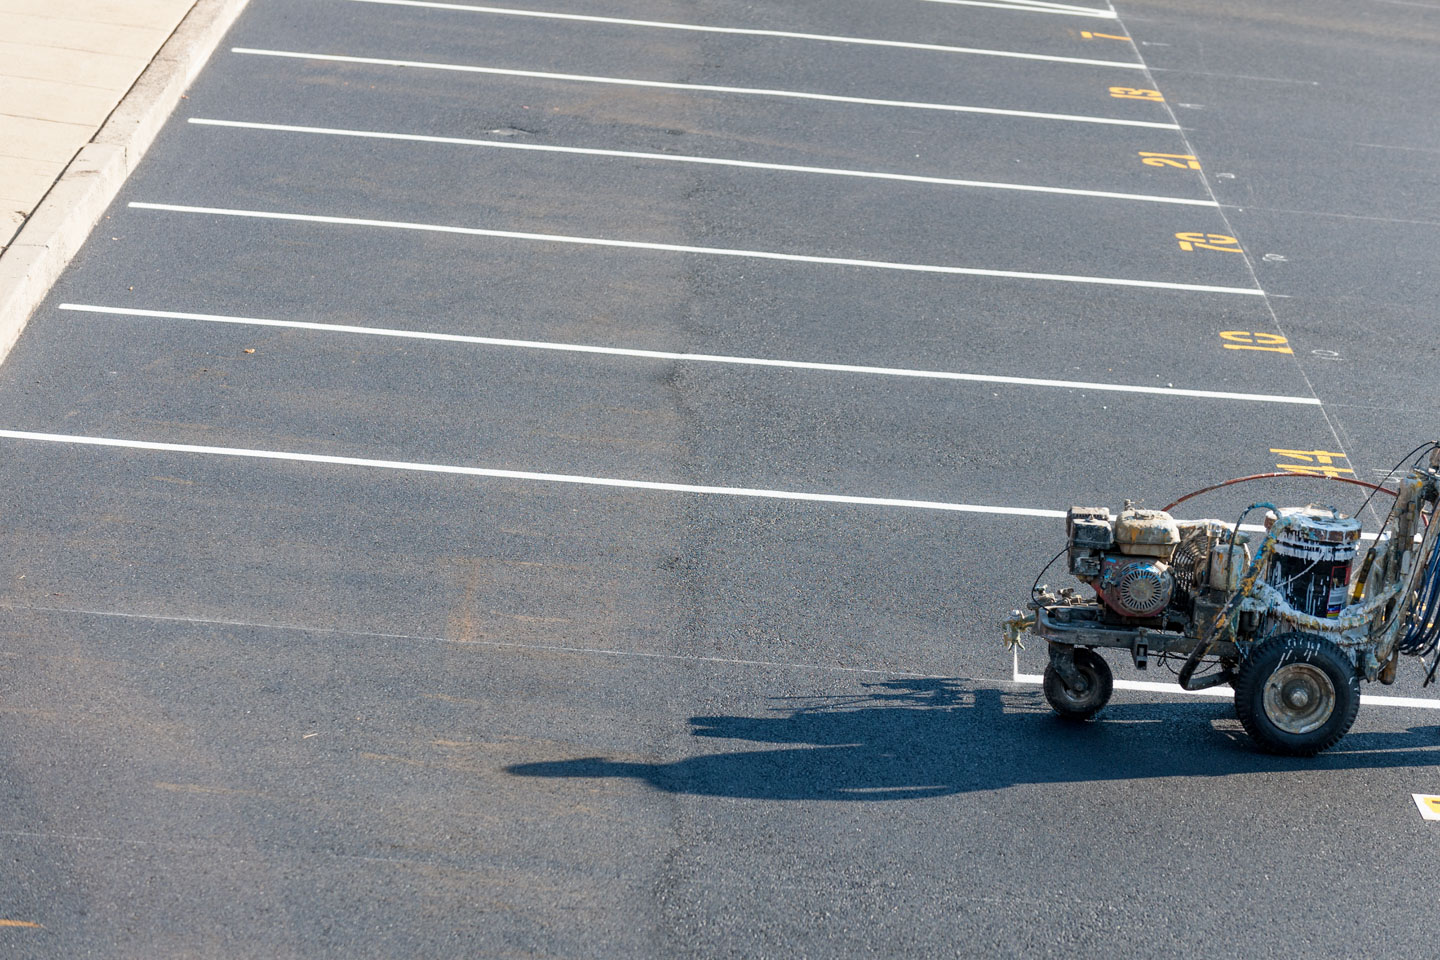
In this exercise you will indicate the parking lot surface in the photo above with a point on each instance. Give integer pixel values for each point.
(546, 480)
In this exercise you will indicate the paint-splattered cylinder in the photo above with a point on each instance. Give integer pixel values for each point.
(1311, 562)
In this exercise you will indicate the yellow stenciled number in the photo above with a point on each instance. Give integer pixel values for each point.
(1255, 340)
(1208, 241)
(1182, 161)
(1089, 35)
(1133, 93)
(1313, 463)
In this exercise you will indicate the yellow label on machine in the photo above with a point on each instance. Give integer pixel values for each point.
(1429, 806)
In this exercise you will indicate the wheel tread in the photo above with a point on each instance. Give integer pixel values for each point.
(1088, 661)
(1257, 668)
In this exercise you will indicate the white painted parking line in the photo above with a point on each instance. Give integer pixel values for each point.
(1150, 686)
(687, 357)
(747, 32)
(701, 87)
(403, 465)
(708, 251)
(750, 492)
(711, 161)
(1223, 693)
(1023, 6)
(1077, 7)
(1085, 8)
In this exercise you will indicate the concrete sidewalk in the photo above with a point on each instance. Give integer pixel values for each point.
(64, 66)
(85, 85)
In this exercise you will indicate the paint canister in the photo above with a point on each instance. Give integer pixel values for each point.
(1310, 565)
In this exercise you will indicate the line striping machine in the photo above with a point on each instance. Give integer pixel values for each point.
(1292, 622)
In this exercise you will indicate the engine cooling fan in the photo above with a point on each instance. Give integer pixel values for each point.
(1136, 588)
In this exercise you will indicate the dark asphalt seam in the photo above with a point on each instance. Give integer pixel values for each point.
(498, 644)
(1326, 213)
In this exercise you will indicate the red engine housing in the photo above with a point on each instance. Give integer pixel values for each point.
(1135, 586)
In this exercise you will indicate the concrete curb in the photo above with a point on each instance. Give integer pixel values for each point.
(63, 220)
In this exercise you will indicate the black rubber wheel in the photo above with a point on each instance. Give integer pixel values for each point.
(1297, 694)
(1084, 703)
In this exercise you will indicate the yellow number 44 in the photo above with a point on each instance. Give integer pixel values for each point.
(1132, 93)
(1208, 241)
(1314, 463)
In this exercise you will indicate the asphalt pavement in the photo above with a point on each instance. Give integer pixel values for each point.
(510, 485)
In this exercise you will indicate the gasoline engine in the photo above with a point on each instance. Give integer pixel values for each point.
(1280, 611)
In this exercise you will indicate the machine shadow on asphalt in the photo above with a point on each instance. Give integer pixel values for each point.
(918, 738)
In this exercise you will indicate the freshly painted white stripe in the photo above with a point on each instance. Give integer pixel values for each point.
(703, 87)
(711, 251)
(1078, 7)
(1224, 693)
(1083, 8)
(1022, 6)
(712, 161)
(239, 452)
(546, 477)
(742, 31)
(689, 357)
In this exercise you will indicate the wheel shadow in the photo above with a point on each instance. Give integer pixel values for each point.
(912, 738)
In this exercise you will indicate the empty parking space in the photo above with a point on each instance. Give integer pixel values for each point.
(926, 141)
(741, 66)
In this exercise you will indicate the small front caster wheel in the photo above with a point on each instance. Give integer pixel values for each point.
(1297, 694)
(1086, 700)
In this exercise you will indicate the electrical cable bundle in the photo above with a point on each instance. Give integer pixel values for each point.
(1423, 635)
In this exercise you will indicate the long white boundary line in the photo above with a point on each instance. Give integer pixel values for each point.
(702, 87)
(1080, 7)
(710, 161)
(1024, 7)
(687, 357)
(1224, 693)
(239, 452)
(682, 248)
(747, 32)
(418, 467)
